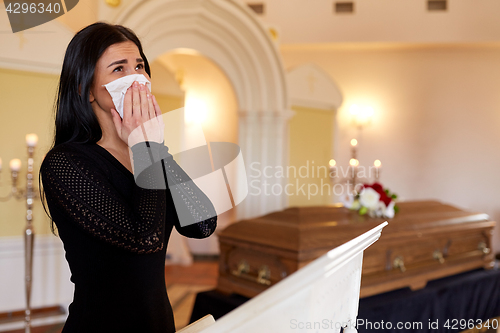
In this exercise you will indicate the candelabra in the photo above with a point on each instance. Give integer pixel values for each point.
(351, 175)
(29, 193)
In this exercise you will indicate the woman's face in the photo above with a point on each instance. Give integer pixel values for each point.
(117, 61)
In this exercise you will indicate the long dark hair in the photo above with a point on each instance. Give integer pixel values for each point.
(75, 120)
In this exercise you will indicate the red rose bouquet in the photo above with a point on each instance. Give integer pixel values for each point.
(373, 200)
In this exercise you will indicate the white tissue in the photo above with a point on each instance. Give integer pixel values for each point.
(118, 88)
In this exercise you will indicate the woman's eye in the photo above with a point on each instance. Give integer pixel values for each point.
(120, 68)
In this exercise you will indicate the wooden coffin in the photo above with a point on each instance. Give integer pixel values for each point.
(425, 241)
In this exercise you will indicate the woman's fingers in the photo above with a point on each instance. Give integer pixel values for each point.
(151, 107)
(136, 103)
(143, 91)
(152, 112)
(158, 112)
(127, 104)
(157, 107)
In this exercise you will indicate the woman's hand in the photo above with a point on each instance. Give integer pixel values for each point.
(142, 119)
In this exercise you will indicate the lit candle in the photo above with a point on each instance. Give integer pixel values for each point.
(353, 163)
(31, 139)
(354, 142)
(15, 165)
(333, 167)
(377, 164)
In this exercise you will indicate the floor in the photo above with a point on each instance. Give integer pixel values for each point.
(183, 283)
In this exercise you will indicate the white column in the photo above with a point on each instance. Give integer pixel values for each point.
(263, 139)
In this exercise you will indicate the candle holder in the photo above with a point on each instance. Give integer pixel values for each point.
(29, 193)
(378, 165)
(351, 176)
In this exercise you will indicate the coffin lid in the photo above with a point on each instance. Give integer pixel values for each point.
(302, 229)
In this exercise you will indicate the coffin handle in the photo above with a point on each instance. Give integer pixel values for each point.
(399, 263)
(482, 246)
(264, 275)
(438, 255)
(244, 268)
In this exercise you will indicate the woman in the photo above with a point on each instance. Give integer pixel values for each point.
(114, 231)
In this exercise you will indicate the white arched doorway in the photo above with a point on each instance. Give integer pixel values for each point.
(229, 34)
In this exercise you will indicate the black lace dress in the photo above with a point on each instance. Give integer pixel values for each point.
(115, 233)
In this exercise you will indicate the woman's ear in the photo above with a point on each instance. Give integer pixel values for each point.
(91, 96)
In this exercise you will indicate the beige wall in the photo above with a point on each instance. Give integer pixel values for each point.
(437, 117)
(311, 140)
(26, 101)
(169, 103)
(311, 21)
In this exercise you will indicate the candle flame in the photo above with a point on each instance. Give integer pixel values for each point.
(31, 139)
(15, 164)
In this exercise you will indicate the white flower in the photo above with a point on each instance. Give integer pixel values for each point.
(347, 200)
(389, 211)
(369, 198)
(378, 211)
(381, 209)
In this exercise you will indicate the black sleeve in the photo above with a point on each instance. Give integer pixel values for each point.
(194, 215)
(77, 189)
